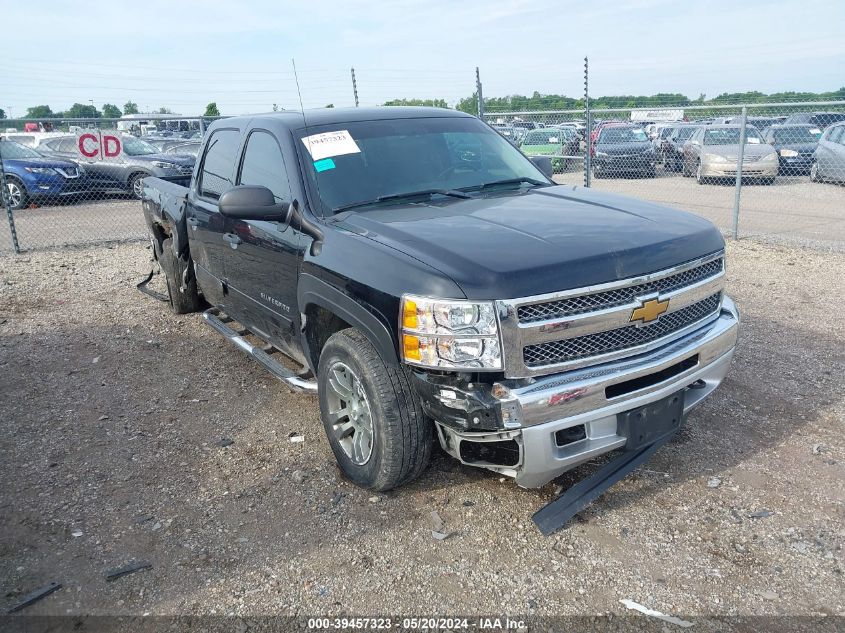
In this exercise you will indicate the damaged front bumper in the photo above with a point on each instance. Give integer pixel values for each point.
(536, 429)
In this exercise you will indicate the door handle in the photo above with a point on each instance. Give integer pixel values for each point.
(193, 223)
(233, 239)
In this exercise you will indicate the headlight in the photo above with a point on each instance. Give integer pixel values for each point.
(714, 158)
(772, 156)
(450, 334)
(40, 170)
(788, 153)
(163, 165)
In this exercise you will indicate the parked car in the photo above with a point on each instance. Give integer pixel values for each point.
(561, 144)
(760, 122)
(164, 144)
(509, 133)
(795, 145)
(829, 160)
(713, 153)
(185, 149)
(817, 119)
(429, 281)
(673, 147)
(623, 149)
(126, 172)
(30, 177)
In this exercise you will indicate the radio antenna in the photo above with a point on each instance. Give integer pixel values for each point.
(298, 91)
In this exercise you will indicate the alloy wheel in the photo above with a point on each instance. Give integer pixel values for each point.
(349, 413)
(15, 194)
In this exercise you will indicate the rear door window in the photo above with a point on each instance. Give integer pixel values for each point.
(218, 163)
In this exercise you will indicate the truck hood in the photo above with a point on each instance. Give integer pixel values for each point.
(544, 240)
(38, 162)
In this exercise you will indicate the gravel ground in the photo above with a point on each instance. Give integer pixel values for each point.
(115, 425)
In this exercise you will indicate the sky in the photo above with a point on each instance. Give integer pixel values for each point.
(184, 54)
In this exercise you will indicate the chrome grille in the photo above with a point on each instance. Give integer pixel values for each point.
(618, 296)
(621, 338)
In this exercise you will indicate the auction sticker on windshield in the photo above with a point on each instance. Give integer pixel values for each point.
(328, 144)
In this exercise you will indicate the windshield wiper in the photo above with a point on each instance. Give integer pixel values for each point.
(509, 181)
(428, 193)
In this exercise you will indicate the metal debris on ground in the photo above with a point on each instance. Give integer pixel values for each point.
(438, 527)
(131, 568)
(35, 596)
(671, 619)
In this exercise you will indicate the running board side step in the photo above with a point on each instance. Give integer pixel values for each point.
(289, 377)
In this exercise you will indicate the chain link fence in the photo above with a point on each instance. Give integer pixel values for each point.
(772, 171)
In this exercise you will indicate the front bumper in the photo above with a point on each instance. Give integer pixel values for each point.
(554, 423)
(639, 162)
(757, 169)
(795, 164)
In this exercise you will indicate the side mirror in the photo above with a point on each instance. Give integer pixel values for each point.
(253, 202)
(544, 164)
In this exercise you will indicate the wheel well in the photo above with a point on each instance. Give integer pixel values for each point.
(135, 174)
(320, 324)
(160, 233)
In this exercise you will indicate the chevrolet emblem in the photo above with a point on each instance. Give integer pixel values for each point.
(649, 310)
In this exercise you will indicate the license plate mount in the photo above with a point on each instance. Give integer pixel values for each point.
(652, 422)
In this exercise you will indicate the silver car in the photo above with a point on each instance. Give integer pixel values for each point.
(829, 160)
(712, 152)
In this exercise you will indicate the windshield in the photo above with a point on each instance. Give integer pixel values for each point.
(359, 162)
(9, 149)
(798, 135)
(730, 136)
(136, 147)
(684, 133)
(622, 135)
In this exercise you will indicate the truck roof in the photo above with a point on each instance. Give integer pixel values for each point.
(327, 116)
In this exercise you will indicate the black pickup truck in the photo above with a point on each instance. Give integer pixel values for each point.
(428, 280)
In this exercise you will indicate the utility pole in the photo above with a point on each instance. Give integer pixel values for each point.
(479, 96)
(354, 87)
(589, 128)
(738, 182)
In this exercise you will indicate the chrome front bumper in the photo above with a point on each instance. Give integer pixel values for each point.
(696, 362)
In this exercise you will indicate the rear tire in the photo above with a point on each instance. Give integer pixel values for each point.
(372, 417)
(179, 275)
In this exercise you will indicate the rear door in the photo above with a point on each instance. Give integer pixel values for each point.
(206, 229)
(263, 261)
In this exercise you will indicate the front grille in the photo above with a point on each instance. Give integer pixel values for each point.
(68, 172)
(622, 338)
(617, 297)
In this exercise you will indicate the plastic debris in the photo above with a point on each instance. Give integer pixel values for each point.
(714, 482)
(671, 619)
(35, 596)
(296, 437)
(131, 568)
(760, 514)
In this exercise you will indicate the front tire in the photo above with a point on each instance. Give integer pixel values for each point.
(136, 185)
(373, 419)
(698, 174)
(16, 194)
(814, 172)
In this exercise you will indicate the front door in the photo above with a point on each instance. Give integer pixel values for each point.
(263, 258)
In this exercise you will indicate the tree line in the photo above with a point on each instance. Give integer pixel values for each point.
(108, 111)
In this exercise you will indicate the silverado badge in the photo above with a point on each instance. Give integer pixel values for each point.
(649, 310)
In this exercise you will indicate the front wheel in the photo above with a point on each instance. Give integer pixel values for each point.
(699, 177)
(16, 194)
(373, 419)
(814, 172)
(136, 185)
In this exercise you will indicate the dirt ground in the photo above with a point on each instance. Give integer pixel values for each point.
(128, 434)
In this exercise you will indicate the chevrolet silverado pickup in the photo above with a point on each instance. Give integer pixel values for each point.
(431, 283)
